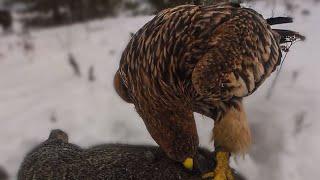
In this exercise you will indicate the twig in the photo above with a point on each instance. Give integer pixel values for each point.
(91, 76)
(74, 65)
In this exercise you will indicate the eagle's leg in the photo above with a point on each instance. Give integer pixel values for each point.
(222, 170)
(231, 134)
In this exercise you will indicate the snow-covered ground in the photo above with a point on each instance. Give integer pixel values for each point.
(39, 92)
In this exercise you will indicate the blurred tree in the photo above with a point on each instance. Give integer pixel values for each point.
(65, 11)
(3, 174)
(5, 19)
(56, 12)
(162, 4)
(158, 5)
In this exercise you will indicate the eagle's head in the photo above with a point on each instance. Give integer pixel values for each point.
(284, 36)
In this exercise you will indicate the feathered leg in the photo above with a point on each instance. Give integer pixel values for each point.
(231, 134)
(222, 170)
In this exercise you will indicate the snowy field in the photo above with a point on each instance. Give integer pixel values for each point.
(39, 91)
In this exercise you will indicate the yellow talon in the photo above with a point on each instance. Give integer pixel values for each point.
(188, 163)
(222, 170)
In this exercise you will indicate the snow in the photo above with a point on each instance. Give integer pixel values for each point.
(39, 92)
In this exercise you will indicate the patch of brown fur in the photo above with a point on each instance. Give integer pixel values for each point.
(232, 132)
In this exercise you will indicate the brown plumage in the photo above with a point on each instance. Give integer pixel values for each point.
(201, 59)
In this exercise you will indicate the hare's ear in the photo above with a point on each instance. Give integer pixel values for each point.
(279, 20)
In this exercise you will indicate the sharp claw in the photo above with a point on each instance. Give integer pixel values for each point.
(208, 175)
(222, 170)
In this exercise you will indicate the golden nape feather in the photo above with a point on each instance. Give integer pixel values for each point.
(201, 59)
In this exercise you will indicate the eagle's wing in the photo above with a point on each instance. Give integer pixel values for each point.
(242, 53)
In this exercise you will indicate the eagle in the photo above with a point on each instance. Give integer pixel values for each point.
(204, 59)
